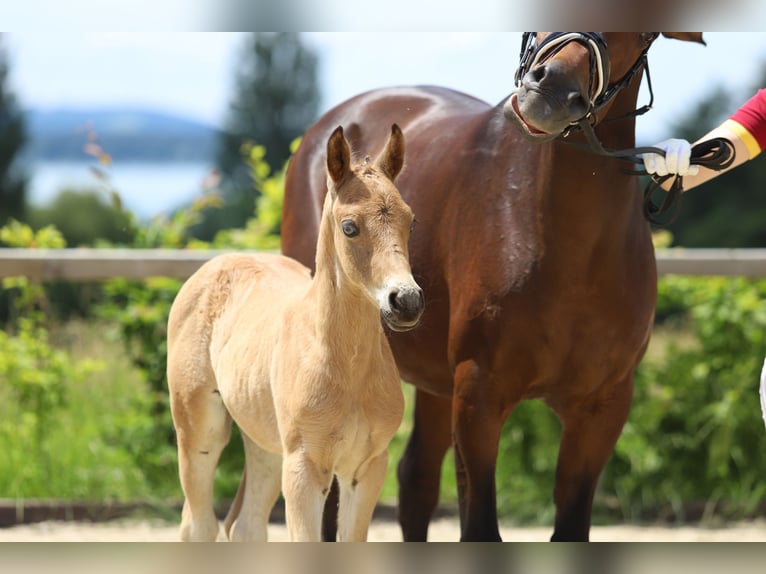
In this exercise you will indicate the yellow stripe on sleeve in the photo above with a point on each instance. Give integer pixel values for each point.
(753, 149)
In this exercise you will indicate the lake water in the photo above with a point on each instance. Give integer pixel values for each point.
(147, 189)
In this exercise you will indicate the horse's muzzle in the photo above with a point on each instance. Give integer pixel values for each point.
(548, 101)
(513, 115)
(403, 308)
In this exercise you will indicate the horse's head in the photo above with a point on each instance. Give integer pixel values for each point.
(371, 227)
(564, 77)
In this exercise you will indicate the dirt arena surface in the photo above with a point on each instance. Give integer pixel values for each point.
(442, 530)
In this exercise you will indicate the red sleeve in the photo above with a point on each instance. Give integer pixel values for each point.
(752, 117)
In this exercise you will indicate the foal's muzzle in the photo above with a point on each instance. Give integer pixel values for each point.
(403, 307)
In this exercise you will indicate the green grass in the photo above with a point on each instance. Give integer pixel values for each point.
(76, 451)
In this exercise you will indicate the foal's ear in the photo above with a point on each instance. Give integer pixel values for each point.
(686, 36)
(338, 156)
(391, 159)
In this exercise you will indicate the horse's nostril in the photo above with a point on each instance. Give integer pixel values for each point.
(536, 75)
(576, 103)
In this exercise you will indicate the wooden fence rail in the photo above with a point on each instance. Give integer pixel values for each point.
(101, 264)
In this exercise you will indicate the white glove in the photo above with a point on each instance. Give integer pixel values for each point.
(676, 161)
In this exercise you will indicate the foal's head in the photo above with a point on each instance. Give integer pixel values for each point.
(371, 227)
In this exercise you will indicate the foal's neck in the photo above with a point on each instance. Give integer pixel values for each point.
(344, 311)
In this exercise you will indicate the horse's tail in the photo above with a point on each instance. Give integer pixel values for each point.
(236, 506)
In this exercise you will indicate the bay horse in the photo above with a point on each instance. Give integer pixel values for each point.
(535, 259)
(301, 364)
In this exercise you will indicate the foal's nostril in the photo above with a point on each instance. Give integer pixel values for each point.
(393, 297)
(407, 303)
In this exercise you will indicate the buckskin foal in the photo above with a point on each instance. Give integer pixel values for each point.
(302, 365)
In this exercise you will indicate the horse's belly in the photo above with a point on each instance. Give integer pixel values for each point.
(248, 399)
(242, 366)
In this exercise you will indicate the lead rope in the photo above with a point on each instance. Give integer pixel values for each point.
(716, 154)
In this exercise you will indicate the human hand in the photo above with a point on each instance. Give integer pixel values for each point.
(677, 160)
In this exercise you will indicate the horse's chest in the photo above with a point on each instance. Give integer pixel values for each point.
(347, 411)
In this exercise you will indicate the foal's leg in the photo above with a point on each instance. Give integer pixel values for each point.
(419, 469)
(590, 429)
(203, 427)
(358, 498)
(305, 485)
(262, 483)
(477, 422)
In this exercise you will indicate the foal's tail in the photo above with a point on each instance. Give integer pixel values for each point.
(236, 506)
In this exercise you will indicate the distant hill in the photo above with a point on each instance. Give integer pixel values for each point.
(125, 134)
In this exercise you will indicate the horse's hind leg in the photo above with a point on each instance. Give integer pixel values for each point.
(259, 491)
(419, 469)
(203, 427)
(590, 429)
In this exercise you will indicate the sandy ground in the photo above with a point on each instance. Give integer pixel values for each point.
(443, 530)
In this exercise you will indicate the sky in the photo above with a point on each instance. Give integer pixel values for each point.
(192, 73)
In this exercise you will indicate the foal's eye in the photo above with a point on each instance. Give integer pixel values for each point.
(349, 228)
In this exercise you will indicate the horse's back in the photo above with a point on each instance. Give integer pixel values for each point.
(426, 114)
(226, 286)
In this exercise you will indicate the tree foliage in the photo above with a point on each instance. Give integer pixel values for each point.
(276, 98)
(85, 217)
(12, 139)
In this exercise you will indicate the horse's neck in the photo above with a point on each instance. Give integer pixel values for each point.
(575, 193)
(345, 315)
(618, 127)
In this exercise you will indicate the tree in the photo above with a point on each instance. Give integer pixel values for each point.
(84, 217)
(13, 183)
(276, 98)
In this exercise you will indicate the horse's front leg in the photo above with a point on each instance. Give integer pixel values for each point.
(419, 469)
(590, 429)
(358, 497)
(478, 418)
(305, 484)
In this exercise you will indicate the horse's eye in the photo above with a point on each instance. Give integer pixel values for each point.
(349, 228)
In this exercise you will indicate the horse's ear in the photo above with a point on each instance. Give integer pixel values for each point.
(686, 36)
(391, 159)
(338, 155)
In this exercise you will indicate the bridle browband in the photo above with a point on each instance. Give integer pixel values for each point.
(716, 154)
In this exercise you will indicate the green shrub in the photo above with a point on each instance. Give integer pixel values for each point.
(85, 217)
(50, 449)
(694, 437)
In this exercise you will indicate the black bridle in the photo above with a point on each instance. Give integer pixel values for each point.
(716, 154)
(601, 91)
